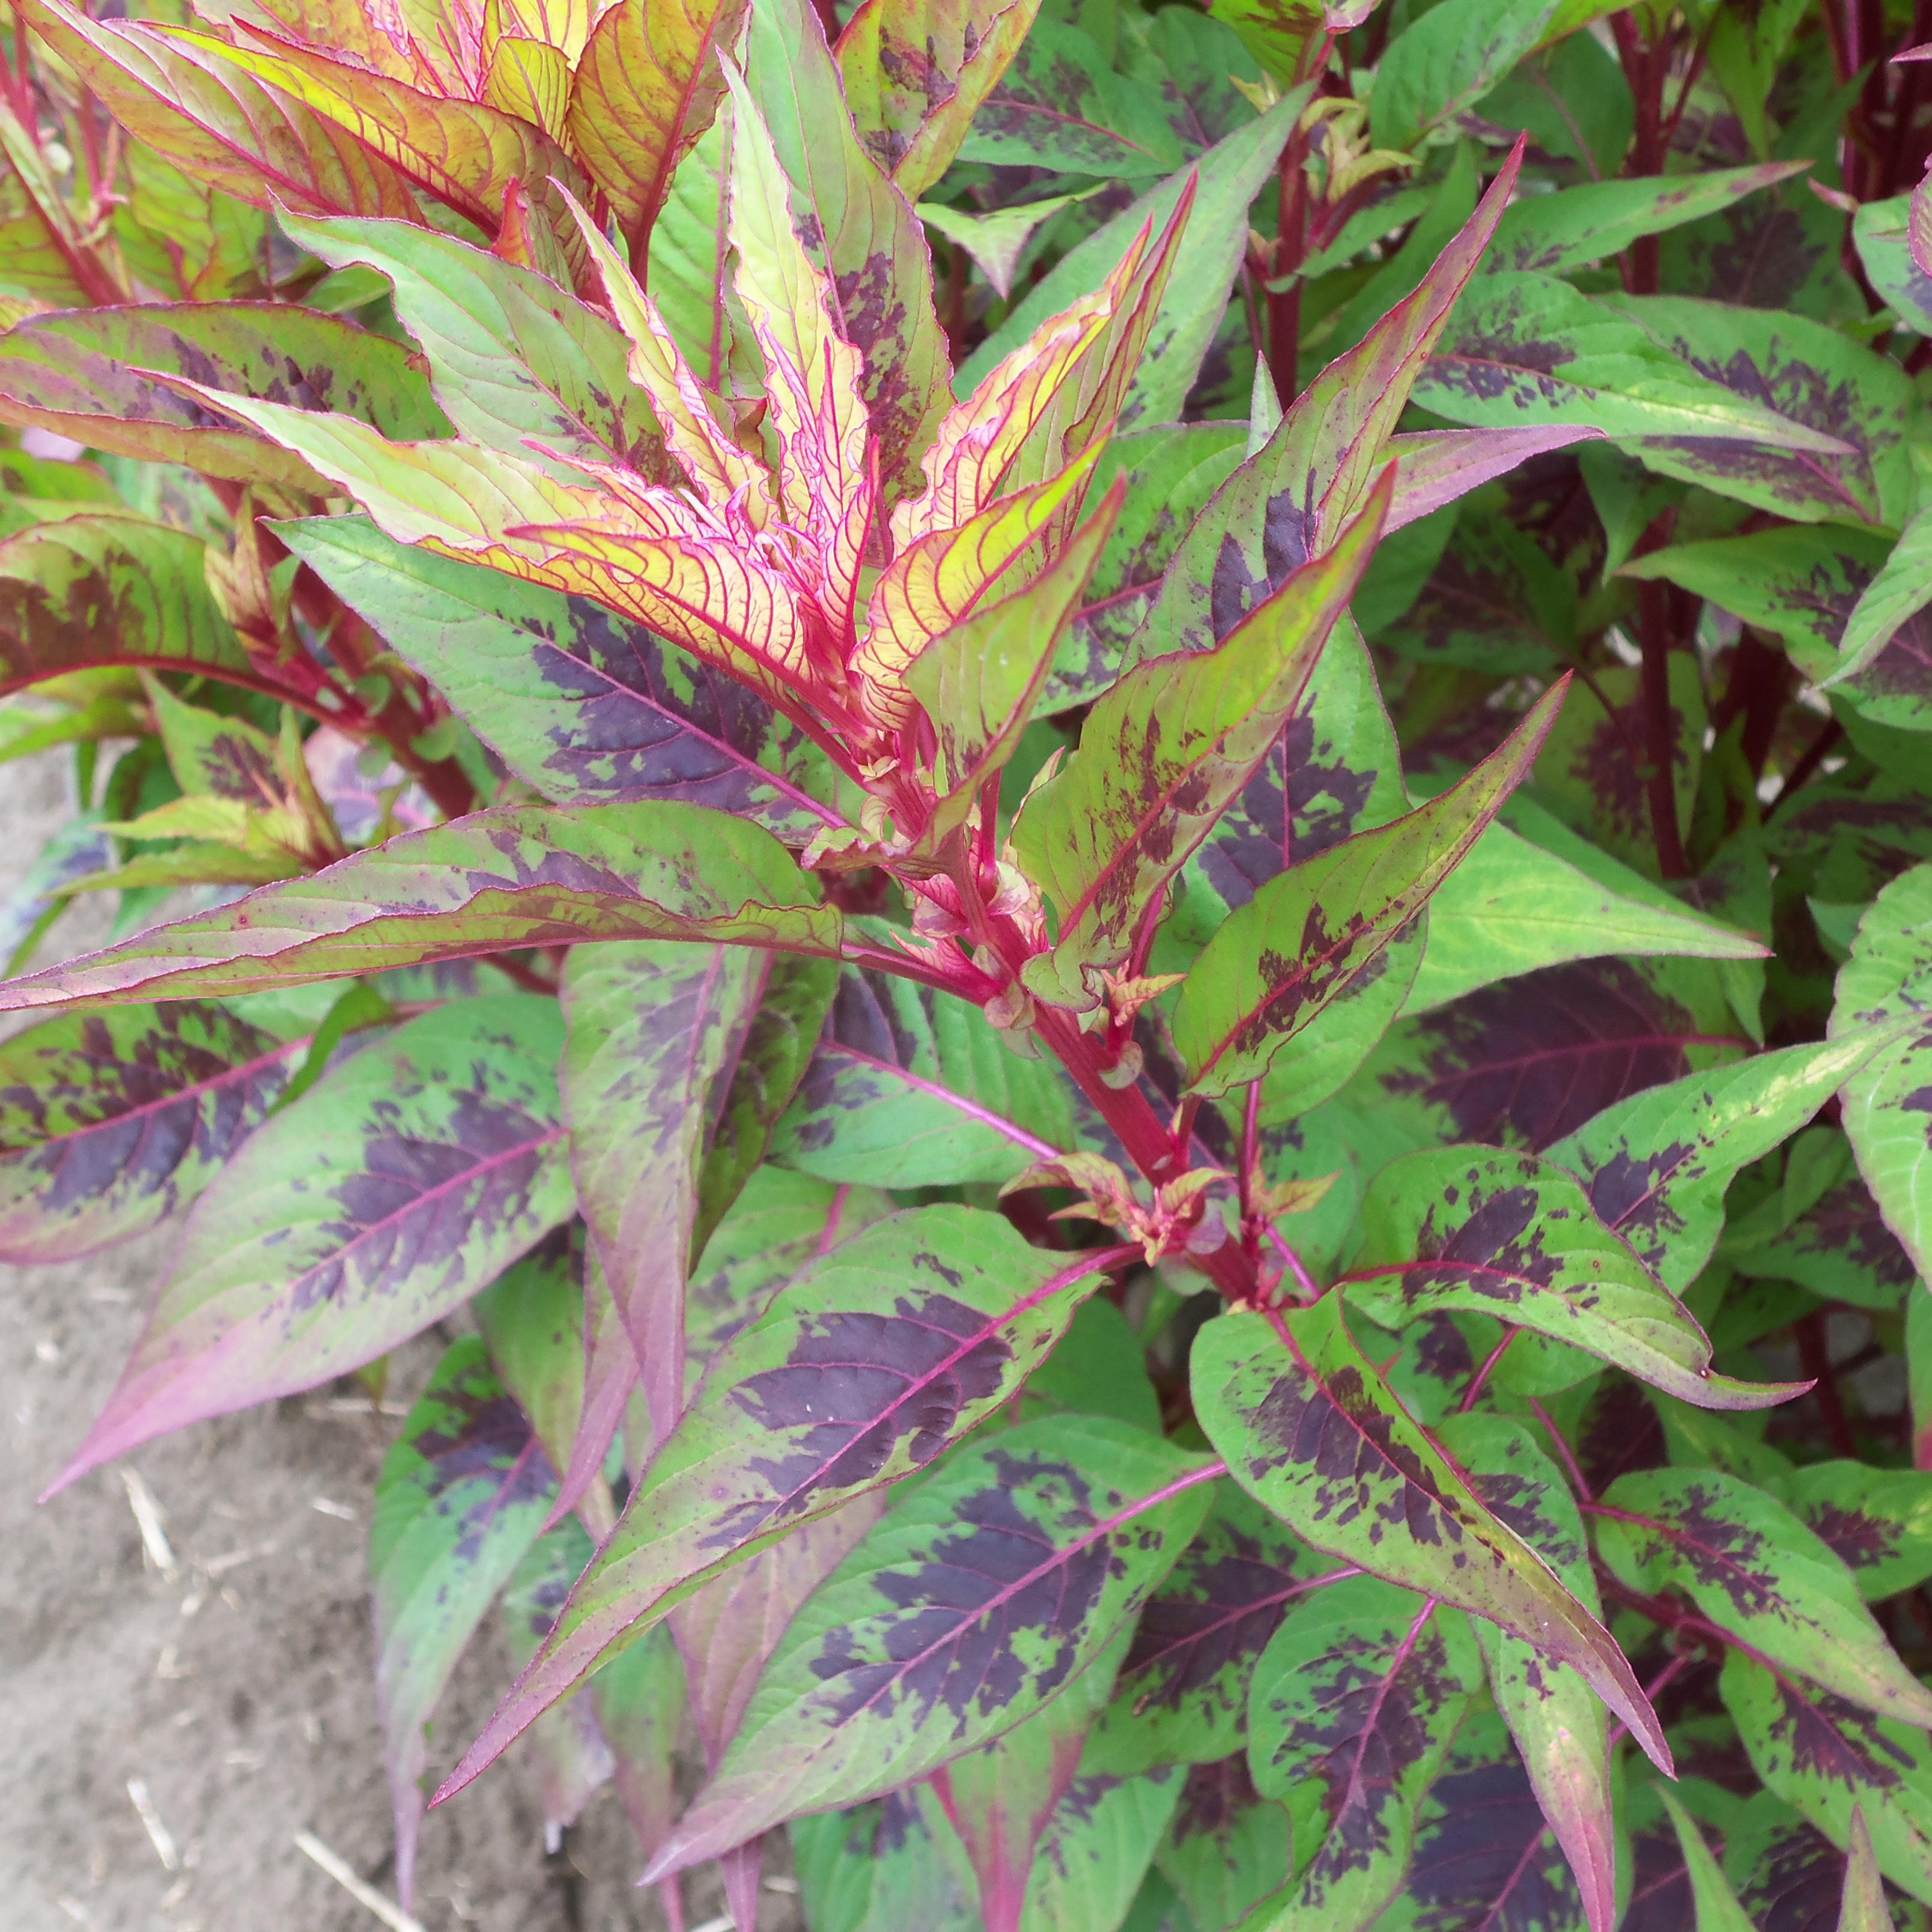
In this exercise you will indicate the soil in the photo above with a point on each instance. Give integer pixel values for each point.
(235, 1691)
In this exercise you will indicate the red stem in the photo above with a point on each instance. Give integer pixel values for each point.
(1483, 1371)
(1660, 728)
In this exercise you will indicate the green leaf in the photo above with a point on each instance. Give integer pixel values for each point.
(1554, 233)
(1749, 1564)
(1161, 755)
(1824, 1757)
(532, 1318)
(403, 1180)
(1317, 931)
(1865, 1908)
(1557, 1720)
(1228, 1847)
(1712, 1899)
(1877, 1521)
(996, 240)
(1312, 1431)
(519, 875)
(1510, 907)
(1285, 36)
(935, 1316)
(894, 1668)
(459, 1499)
(882, 1867)
(110, 1122)
(647, 86)
(909, 1086)
(916, 73)
(1354, 1702)
(1880, 233)
(1225, 179)
(1887, 1103)
(1448, 60)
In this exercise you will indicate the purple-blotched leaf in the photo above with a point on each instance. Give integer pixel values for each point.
(884, 1867)
(1313, 935)
(1556, 1719)
(970, 1605)
(1312, 1431)
(1098, 1842)
(1657, 1163)
(404, 1180)
(1823, 1755)
(1527, 1062)
(870, 1362)
(1748, 1563)
(1509, 1235)
(109, 1122)
(87, 374)
(1162, 754)
(1182, 1694)
(1483, 1857)
(1289, 502)
(587, 706)
(461, 1496)
(1228, 1847)
(912, 1088)
(518, 876)
(532, 1318)
(1353, 1704)
(1878, 1523)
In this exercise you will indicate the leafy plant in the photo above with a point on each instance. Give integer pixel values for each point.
(1119, 824)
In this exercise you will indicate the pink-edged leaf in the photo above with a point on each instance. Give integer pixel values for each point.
(109, 1122)
(531, 1318)
(1506, 1234)
(459, 1501)
(1289, 501)
(404, 1180)
(924, 1323)
(518, 876)
(1312, 1430)
(978, 1596)
(1436, 466)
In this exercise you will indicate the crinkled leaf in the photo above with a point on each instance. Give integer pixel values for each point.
(1748, 1563)
(930, 1320)
(520, 875)
(403, 1180)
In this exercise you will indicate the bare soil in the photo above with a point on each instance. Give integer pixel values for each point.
(235, 1691)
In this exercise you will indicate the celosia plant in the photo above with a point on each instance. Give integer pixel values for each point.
(1166, 1002)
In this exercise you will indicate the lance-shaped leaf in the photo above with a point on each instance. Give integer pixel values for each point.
(218, 125)
(518, 876)
(1882, 652)
(916, 73)
(1448, 60)
(1354, 1702)
(586, 707)
(532, 1320)
(654, 1029)
(647, 86)
(1483, 1855)
(882, 1866)
(1824, 1756)
(1865, 1907)
(1100, 1841)
(1714, 1904)
(405, 1179)
(1509, 1235)
(1746, 1561)
(1878, 1523)
(1228, 1847)
(1161, 755)
(109, 1122)
(1557, 1720)
(518, 364)
(108, 588)
(1880, 234)
(979, 681)
(1313, 934)
(1577, 226)
(912, 1088)
(1512, 906)
(1435, 467)
(1221, 185)
(1657, 1164)
(976, 1599)
(1529, 348)
(460, 1500)
(1001, 1799)
(928, 1320)
(1888, 1104)
(1312, 1432)
(1289, 501)
(1182, 1694)
(873, 249)
(84, 376)
(468, 154)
